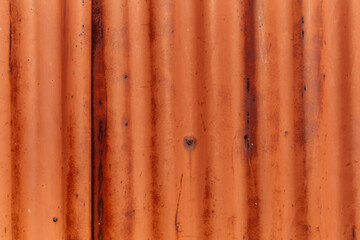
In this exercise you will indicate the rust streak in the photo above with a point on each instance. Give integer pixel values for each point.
(177, 224)
(98, 119)
(10, 40)
(353, 232)
(300, 194)
(250, 107)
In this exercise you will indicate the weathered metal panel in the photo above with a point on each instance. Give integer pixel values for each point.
(45, 119)
(169, 119)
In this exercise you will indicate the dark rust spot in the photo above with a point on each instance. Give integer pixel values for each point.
(247, 84)
(129, 214)
(189, 143)
(353, 232)
(246, 141)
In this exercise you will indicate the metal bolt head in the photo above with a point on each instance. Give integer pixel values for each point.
(189, 143)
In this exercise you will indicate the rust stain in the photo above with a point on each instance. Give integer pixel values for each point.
(177, 222)
(207, 213)
(354, 232)
(250, 133)
(104, 104)
(300, 194)
(14, 124)
(189, 143)
(99, 120)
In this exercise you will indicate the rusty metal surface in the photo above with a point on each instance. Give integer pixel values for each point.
(45, 119)
(179, 119)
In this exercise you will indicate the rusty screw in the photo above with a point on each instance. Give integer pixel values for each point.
(189, 143)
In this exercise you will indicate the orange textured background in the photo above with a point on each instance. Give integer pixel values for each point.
(179, 119)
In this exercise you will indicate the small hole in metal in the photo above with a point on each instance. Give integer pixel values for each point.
(189, 143)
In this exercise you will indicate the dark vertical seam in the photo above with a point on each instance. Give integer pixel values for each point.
(250, 132)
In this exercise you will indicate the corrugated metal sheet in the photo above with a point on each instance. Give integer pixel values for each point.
(45, 119)
(194, 119)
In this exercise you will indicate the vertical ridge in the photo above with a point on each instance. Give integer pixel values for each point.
(140, 116)
(76, 117)
(312, 40)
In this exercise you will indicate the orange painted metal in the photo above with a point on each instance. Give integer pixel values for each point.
(45, 119)
(179, 119)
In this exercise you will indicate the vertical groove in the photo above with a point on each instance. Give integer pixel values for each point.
(117, 165)
(154, 157)
(354, 8)
(18, 115)
(268, 93)
(99, 120)
(299, 152)
(205, 91)
(312, 95)
(346, 169)
(200, 76)
(14, 165)
(76, 107)
(5, 122)
(250, 118)
(129, 132)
